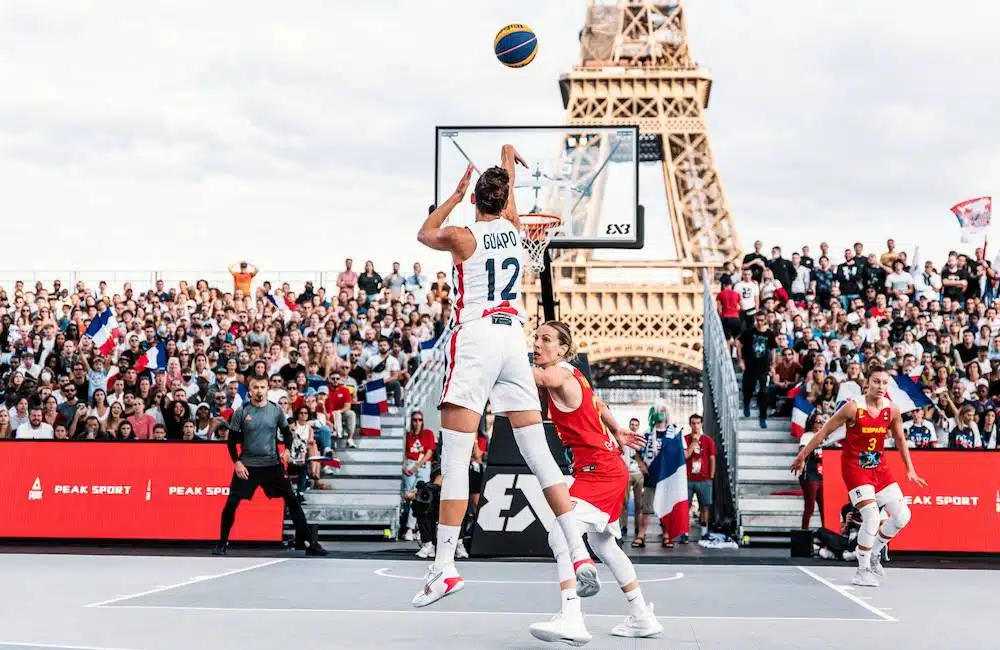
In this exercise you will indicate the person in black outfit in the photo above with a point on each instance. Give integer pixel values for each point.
(258, 464)
(755, 355)
(783, 270)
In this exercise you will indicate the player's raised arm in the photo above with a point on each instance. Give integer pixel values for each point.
(896, 428)
(844, 415)
(431, 233)
(509, 159)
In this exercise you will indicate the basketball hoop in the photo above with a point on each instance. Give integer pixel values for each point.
(536, 233)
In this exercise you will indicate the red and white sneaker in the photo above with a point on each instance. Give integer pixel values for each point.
(438, 583)
(587, 581)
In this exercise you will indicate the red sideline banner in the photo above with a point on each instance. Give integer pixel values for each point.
(125, 490)
(959, 510)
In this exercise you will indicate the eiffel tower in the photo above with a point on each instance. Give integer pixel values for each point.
(635, 69)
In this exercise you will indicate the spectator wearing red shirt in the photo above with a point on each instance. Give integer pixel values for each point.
(418, 451)
(338, 409)
(700, 454)
(729, 309)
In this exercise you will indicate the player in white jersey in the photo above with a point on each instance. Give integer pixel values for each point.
(488, 360)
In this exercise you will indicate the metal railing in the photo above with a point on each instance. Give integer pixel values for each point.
(721, 383)
(424, 388)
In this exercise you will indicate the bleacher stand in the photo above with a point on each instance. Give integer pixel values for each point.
(173, 362)
(801, 328)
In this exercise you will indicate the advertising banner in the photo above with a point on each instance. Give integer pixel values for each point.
(125, 490)
(959, 510)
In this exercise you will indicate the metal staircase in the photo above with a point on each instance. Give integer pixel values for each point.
(362, 499)
(764, 458)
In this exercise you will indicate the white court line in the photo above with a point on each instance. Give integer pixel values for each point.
(384, 572)
(843, 592)
(60, 646)
(426, 612)
(192, 581)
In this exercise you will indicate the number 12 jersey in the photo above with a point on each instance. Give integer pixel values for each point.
(489, 282)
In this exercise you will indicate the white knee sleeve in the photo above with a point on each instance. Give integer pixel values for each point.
(899, 516)
(607, 549)
(456, 453)
(869, 525)
(560, 551)
(535, 449)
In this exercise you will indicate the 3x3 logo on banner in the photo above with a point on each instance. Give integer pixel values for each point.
(514, 518)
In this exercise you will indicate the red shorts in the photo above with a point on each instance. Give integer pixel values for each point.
(854, 476)
(605, 490)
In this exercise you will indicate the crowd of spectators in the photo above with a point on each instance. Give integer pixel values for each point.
(318, 346)
(812, 324)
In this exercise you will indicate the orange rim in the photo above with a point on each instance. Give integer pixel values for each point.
(536, 226)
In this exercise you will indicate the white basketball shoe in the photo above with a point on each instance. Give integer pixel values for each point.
(563, 628)
(588, 583)
(438, 583)
(865, 578)
(639, 627)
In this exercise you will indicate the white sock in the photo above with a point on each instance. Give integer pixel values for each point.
(864, 559)
(447, 540)
(570, 602)
(577, 550)
(704, 530)
(636, 603)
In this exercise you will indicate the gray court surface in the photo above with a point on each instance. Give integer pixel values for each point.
(69, 602)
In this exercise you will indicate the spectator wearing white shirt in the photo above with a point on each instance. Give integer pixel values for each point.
(34, 428)
(899, 283)
(417, 284)
(801, 279)
(749, 295)
(385, 367)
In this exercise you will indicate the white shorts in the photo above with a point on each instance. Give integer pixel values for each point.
(592, 519)
(488, 361)
(888, 494)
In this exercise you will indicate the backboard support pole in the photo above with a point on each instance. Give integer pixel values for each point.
(548, 296)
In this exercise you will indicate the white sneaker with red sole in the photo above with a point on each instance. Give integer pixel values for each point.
(438, 583)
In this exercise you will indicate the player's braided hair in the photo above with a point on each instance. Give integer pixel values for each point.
(565, 336)
(492, 189)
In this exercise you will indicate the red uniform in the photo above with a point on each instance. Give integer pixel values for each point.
(600, 476)
(863, 460)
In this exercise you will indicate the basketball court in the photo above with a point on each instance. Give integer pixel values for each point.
(68, 602)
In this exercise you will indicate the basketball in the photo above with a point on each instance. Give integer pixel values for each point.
(515, 45)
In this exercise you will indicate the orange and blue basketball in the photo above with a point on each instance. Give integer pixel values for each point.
(515, 45)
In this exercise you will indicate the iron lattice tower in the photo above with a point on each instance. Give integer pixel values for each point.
(635, 68)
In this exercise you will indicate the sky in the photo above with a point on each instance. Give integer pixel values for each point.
(184, 136)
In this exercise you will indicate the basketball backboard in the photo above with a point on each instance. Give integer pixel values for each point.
(587, 176)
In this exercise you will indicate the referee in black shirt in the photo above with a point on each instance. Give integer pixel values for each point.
(254, 427)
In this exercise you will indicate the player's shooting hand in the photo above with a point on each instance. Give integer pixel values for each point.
(241, 470)
(463, 185)
(912, 476)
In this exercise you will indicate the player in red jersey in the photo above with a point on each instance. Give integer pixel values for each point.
(869, 482)
(597, 488)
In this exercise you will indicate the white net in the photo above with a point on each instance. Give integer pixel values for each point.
(536, 233)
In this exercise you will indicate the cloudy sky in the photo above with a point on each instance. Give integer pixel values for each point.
(174, 134)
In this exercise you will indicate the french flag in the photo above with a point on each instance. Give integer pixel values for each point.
(669, 470)
(375, 394)
(903, 392)
(371, 419)
(155, 358)
(801, 410)
(104, 331)
(241, 396)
